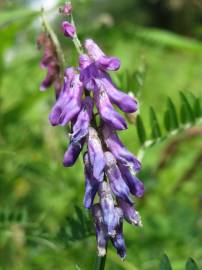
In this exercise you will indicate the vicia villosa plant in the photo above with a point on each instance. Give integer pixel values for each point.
(84, 101)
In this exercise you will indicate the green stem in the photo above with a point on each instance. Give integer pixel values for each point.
(100, 263)
(76, 41)
(54, 40)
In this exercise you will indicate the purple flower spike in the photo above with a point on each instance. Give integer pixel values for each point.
(96, 154)
(101, 234)
(106, 110)
(129, 213)
(135, 185)
(68, 103)
(121, 153)
(72, 153)
(68, 29)
(91, 184)
(125, 102)
(108, 209)
(80, 128)
(117, 184)
(119, 243)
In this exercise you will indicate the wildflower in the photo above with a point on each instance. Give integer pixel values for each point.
(101, 234)
(120, 152)
(68, 29)
(130, 214)
(108, 165)
(81, 126)
(108, 208)
(117, 184)
(118, 241)
(68, 103)
(96, 154)
(91, 184)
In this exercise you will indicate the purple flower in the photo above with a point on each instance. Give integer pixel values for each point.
(125, 102)
(102, 61)
(91, 184)
(101, 234)
(118, 241)
(129, 213)
(106, 110)
(68, 29)
(117, 184)
(96, 154)
(66, 9)
(88, 76)
(135, 185)
(68, 103)
(119, 151)
(72, 153)
(80, 128)
(108, 209)
(50, 62)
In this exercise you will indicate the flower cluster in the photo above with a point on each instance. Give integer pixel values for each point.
(86, 102)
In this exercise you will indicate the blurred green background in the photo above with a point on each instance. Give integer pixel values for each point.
(163, 40)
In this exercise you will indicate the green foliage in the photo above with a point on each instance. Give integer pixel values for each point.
(165, 263)
(167, 39)
(190, 114)
(9, 217)
(76, 228)
(191, 265)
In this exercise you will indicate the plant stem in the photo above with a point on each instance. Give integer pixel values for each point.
(100, 263)
(55, 41)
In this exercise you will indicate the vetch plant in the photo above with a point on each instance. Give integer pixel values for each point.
(85, 102)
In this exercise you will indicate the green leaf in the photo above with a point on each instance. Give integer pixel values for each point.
(77, 227)
(165, 263)
(197, 107)
(170, 117)
(141, 130)
(155, 128)
(191, 265)
(186, 112)
(167, 39)
(9, 17)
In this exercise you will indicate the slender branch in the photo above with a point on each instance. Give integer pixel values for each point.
(76, 41)
(54, 40)
(100, 263)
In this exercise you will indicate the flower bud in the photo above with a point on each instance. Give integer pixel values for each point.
(68, 29)
(66, 9)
